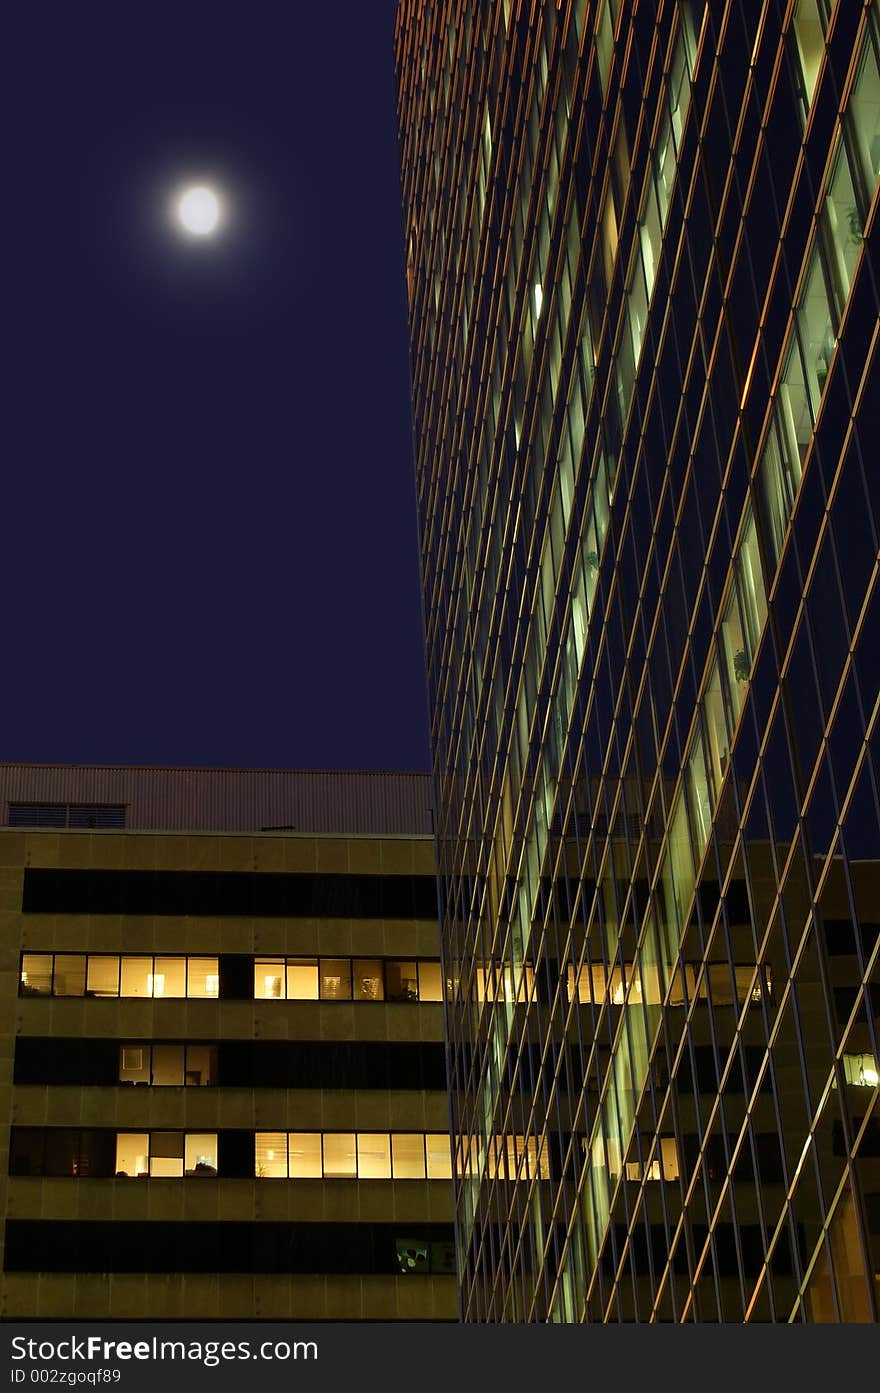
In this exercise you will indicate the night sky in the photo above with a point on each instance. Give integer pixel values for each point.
(209, 526)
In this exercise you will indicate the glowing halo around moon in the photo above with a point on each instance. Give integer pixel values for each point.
(198, 210)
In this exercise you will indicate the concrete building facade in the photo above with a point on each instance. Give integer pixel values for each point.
(223, 1065)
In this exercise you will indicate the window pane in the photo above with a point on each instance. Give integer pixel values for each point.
(401, 981)
(28, 1145)
(36, 974)
(669, 1158)
(302, 979)
(137, 977)
(412, 1254)
(103, 976)
(62, 1152)
(373, 1156)
(795, 419)
(271, 1155)
(735, 656)
(305, 1156)
(817, 323)
(166, 1154)
(336, 979)
(720, 987)
(843, 224)
(201, 1153)
(750, 580)
(201, 1065)
(716, 727)
(864, 114)
(810, 37)
(202, 977)
(339, 1154)
(430, 982)
(439, 1157)
(368, 979)
(132, 1153)
(408, 1155)
(134, 1064)
(777, 491)
(70, 974)
(168, 1065)
(698, 792)
(169, 977)
(268, 979)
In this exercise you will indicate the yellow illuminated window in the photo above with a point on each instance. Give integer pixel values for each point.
(133, 1154)
(103, 976)
(408, 1155)
(271, 1155)
(70, 974)
(336, 979)
(268, 979)
(169, 977)
(305, 1156)
(36, 974)
(340, 1159)
(368, 979)
(430, 982)
(202, 977)
(439, 1157)
(374, 1156)
(302, 979)
(137, 977)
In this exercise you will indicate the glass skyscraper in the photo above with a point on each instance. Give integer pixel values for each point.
(642, 279)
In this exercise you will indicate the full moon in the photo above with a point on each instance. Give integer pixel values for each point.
(198, 210)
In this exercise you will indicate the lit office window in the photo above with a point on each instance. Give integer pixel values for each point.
(202, 977)
(430, 982)
(305, 1156)
(36, 974)
(439, 1158)
(408, 1155)
(340, 1156)
(137, 978)
(166, 1155)
(401, 981)
(134, 1064)
(70, 974)
(662, 1167)
(861, 1070)
(302, 979)
(271, 1155)
(200, 1153)
(269, 979)
(373, 1156)
(133, 1154)
(103, 976)
(368, 979)
(335, 979)
(167, 1065)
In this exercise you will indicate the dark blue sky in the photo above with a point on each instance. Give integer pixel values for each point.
(209, 515)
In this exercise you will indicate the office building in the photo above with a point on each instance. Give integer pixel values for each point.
(642, 278)
(223, 1065)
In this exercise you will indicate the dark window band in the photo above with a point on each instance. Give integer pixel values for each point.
(158, 1246)
(247, 1064)
(228, 894)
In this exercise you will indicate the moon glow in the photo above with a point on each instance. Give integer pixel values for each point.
(198, 210)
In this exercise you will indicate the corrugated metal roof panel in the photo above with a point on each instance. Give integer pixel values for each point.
(232, 800)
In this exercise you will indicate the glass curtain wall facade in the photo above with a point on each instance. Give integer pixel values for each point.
(643, 311)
